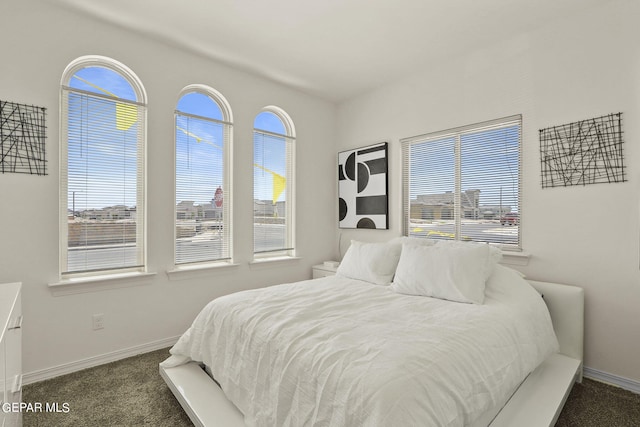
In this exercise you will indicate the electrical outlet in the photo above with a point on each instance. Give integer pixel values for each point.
(98, 321)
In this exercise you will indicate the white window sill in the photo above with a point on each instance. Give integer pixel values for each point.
(515, 258)
(78, 285)
(197, 270)
(258, 262)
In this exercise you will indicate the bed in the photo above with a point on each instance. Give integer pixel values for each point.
(375, 346)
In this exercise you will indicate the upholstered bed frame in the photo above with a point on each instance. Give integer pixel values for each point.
(536, 403)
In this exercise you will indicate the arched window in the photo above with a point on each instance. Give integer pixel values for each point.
(273, 184)
(102, 168)
(203, 189)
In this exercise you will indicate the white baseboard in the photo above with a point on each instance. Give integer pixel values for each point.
(622, 382)
(67, 368)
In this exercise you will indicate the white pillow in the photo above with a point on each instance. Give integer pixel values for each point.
(454, 273)
(494, 252)
(371, 262)
(421, 241)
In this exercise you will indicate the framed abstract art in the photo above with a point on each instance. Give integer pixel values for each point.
(363, 187)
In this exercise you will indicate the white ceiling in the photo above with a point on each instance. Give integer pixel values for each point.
(335, 49)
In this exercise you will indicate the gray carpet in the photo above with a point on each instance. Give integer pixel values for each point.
(130, 392)
(593, 403)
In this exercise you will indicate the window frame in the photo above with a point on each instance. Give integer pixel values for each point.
(290, 140)
(456, 133)
(227, 188)
(125, 72)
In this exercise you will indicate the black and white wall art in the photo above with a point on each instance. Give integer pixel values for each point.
(363, 187)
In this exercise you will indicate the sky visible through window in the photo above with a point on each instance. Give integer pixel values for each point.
(199, 146)
(102, 141)
(199, 149)
(269, 155)
(101, 80)
(465, 185)
(489, 162)
(105, 161)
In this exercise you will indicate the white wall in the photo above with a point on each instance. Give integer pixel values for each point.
(568, 70)
(39, 40)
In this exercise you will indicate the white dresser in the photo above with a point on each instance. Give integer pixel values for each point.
(10, 354)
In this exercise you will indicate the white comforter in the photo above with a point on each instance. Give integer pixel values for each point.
(341, 352)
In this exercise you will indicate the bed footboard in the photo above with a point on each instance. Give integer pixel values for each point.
(202, 399)
(540, 398)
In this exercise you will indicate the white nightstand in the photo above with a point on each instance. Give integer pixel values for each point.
(322, 270)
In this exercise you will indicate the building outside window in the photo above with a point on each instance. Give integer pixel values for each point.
(102, 168)
(464, 183)
(273, 184)
(203, 189)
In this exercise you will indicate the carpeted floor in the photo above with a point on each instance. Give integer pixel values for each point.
(130, 392)
(595, 404)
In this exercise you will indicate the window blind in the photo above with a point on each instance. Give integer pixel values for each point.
(202, 227)
(464, 183)
(103, 180)
(272, 193)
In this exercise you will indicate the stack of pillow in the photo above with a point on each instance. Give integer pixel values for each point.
(445, 269)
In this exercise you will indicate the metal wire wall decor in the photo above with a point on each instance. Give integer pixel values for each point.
(22, 139)
(584, 152)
